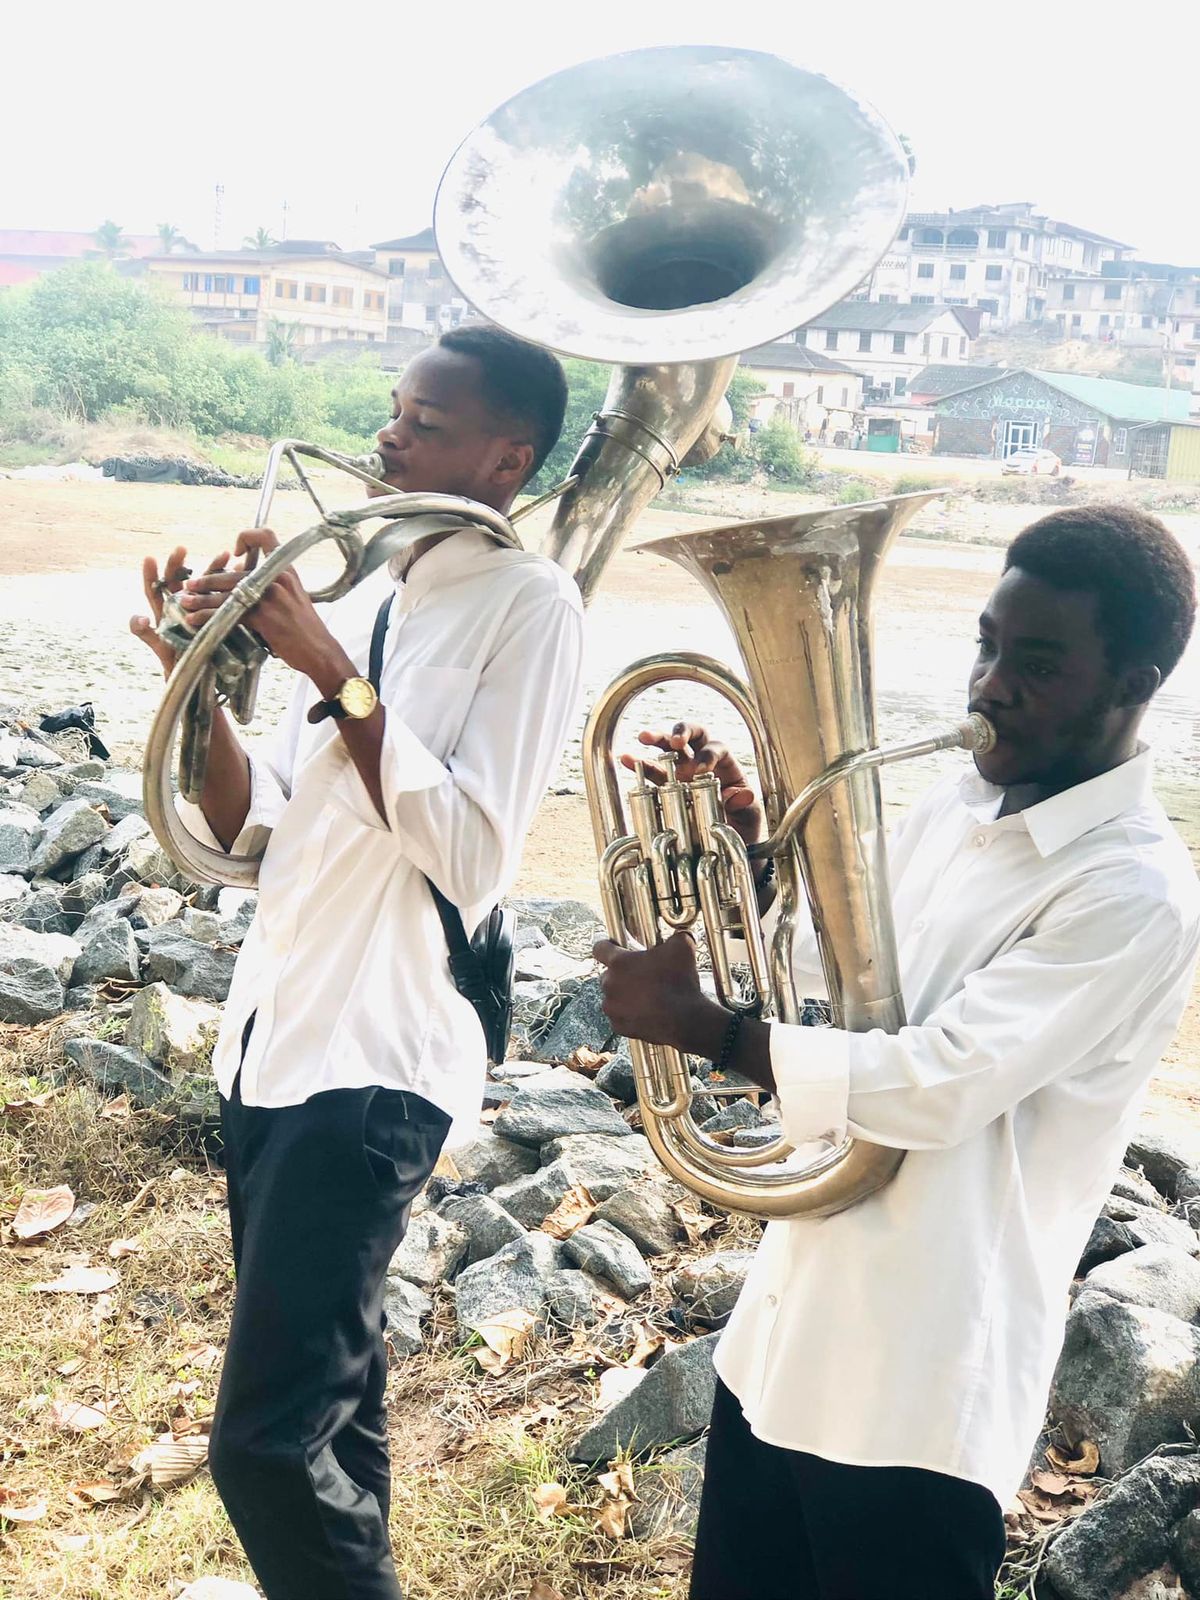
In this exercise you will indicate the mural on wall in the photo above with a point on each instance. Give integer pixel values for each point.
(1019, 396)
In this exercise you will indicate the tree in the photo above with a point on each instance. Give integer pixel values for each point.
(906, 146)
(171, 239)
(260, 239)
(281, 341)
(110, 240)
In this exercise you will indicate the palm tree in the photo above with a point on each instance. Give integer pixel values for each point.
(260, 239)
(171, 239)
(906, 146)
(281, 341)
(110, 240)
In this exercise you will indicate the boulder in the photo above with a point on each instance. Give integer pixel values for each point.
(1128, 1534)
(616, 1077)
(57, 951)
(201, 970)
(549, 962)
(430, 1252)
(40, 792)
(672, 1403)
(708, 1289)
(1163, 1160)
(81, 896)
(88, 861)
(603, 1165)
(236, 908)
(532, 1198)
(203, 926)
(120, 793)
(668, 1494)
(20, 832)
(116, 1069)
(1187, 1551)
(122, 835)
(33, 753)
(154, 908)
(576, 1299)
(491, 1161)
(737, 1114)
(519, 1277)
(643, 1212)
(69, 831)
(1128, 1377)
(175, 1033)
(604, 1251)
(145, 861)
(569, 924)
(43, 912)
(30, 991)
(487, 1225)
(13, 887)
(1156, 1275)
(581, 1024)
(1147, 1225)
(536, 1114)
(404, 1307)
(110, 953)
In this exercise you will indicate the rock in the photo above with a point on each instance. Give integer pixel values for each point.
(110, 953)
(20, 833)
(569, 924)
(519, 1277)
(154, 908)
(535, 1115)
(30, 991)
(88, 861)
(604, 1251)
(116, 1069)
(145, 861)
(124, 833)
(1149, 1226)
(673, 1402)
(32, 753)
(430, 1252)
(80, 998)
(105, 912)
(1131, 1185)
(737, 1114)
(176, 1034)
(43, 913)
(1128, 1377)
(515, 1071)
(1187, 1551)
(615, 1077)
(487, 1225)
(40, 792)
(203, 926)
(580, 1024)
(404, 1305)
(85, 771)
(668, 1492)
(491, 1161)
(531, 1199)
(120, 794)
(528, 937)
(68, 832)
(219, 1589)
(1163, 1160)
(575, 1299)
(549, 962)
(1156, 1275)
(235, 924)
(602, 1165)
(708, 1289)
(1127, 1535)
(81, 897)
(12, 888)
(643, 1213)
(201, 970)
(57, 951)
(536, 1004)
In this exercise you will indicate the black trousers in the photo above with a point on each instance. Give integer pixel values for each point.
(781, 1525)
(319, 1198)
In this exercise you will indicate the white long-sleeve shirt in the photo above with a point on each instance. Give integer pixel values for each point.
(1046, 959)
(345, 964)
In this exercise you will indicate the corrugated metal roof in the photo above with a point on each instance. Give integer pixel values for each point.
(939, 379)
(877, 316)
(1124, 402)
(415, 241)
(792, 357)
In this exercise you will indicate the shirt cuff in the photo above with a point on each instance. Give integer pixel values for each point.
(811, 1067)
(405, 766)
(266, 805)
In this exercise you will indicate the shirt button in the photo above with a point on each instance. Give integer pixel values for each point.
(919, 925)
(979, 840)
(772, 1300)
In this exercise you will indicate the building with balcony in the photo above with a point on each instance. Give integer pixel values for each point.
(1142, 304)
(311, 285)
(420, 295)
(888, 344)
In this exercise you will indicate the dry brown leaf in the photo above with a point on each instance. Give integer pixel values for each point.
(16, 1507)
(588, 1061)
(183, 1424)
(26, 1108)
(1052, 1483)
(120, 1248)
(81, 1280)
(539, 1589)
(1043, 1507)
(169, 1461)
(41, 1211)
(489, 1114)
(96, 1492)
(693, 1221)
(201, 1356)
(1085, 1461)
(119, 1109)
(184, 1391)
(11, 1447)
(504, 1337)
(617, 1482)
(611, 1518)
(445, 1168)
(549, 1498)
(71, 1541)
(648, 1343)
(571, 1212)
(139, 1198)
(617, 1382)
(72, 1416)
(68, 1369)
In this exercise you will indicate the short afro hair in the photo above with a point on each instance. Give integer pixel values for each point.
(1143, 581)
(522, 382)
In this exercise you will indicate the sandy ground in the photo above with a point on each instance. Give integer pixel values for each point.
(70, 554)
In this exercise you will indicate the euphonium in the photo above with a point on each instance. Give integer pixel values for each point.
(796, 592)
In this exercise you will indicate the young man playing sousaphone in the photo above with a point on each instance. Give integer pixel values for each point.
(884, 1375)
(346, 1051)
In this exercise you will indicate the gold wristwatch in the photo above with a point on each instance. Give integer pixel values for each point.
(355, 699)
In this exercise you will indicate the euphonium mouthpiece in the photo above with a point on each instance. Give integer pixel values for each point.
(977, 734)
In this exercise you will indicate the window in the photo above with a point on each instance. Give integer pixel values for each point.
(930, 236)
(864, 340)
(997, 238)
(315, 292)
(1147, 322)
(208, 282)
(1068, 291)
(1120, 441)
(1104, 319)
(993, 274)
(831, 338)
(1020, 274)
(925, 345)
(285, 290)
(430, 313)
(904, 233)
(789, 390)
(1118, 320)
(250, 285)
(1025, 241)
(958, 270)
(925, 269)
(899, 341)
(396, 266)
(945, 348)
(343, 297)
(888, 299)
(962, 345)
(988, 305)
(957, 300)
(845, 397)
(922, 300)
(375, 297)
(1112, 291)
(963, 239)
(433, 270)
(223, 284)
(1196, 330)
(899, 385)
(1076, 319)
(191, 280)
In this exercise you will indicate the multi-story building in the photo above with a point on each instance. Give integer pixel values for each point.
(815, 393)
(1001, 260)
(26, 253)
(322, 291)
(1142, 304)
(888, 344)
(420, 295)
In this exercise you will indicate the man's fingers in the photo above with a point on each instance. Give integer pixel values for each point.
(209, 583)
(604, 951)
(738, 798)
(218, 563)
(144, 629)
(653, 771)
(253, 542)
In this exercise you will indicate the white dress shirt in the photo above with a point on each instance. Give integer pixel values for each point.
(1046, 959)
(345, 964)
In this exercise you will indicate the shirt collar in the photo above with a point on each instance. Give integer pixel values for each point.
(444, 562)
(1065, 817)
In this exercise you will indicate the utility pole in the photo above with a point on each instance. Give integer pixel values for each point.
(218, 207)
(285, 220)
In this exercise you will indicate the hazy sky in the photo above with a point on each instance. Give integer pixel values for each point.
(349, 112)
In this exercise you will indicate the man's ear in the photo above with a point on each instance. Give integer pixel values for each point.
(1138, 685)
(512, 468)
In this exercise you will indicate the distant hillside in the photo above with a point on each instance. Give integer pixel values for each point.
(1031, 345)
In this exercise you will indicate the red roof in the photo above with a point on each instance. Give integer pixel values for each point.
(42, 242)
(14, 272)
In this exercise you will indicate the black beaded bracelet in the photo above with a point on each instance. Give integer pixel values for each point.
(729, 1043)
(768, 873)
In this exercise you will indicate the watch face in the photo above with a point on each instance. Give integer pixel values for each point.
(358, 698)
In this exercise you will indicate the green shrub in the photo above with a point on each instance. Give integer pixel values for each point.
(855, 490)
(914, 483)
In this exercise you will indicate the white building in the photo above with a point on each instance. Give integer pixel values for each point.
(888, 344)
(1142, 304)
(420, 295)
(816, 394)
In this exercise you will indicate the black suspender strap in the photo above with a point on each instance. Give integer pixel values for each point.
(378, 635)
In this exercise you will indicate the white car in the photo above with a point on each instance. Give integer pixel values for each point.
(1028, 458)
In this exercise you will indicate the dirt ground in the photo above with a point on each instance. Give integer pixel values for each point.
(70, 555)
